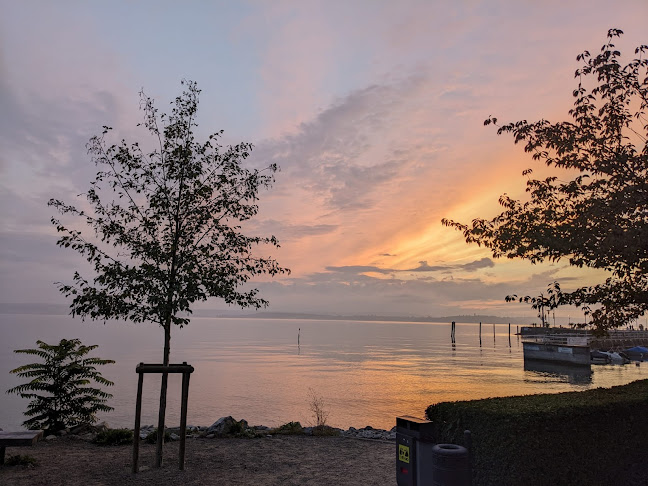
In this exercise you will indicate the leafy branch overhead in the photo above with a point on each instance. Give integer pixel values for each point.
(594, 211)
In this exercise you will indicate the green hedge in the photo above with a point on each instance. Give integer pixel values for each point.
(588, 437)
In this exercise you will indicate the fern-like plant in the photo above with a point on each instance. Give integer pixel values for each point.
(61, 389)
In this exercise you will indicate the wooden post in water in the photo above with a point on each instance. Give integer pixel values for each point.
(493, 333)
(509, 334)
(480, 334)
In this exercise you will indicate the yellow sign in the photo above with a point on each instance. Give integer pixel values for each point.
(403, 453)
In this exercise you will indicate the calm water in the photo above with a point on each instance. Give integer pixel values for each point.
(367, 372)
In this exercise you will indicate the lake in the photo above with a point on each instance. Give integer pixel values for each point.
(367, 373)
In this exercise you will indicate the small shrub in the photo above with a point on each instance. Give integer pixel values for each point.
(20, 460)
(114, 437)
(152, 437)
(317, 408)
(61, 386)
(291, 428)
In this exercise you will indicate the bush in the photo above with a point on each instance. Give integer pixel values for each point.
(586, 437)
(114, 437)
(152, 437)
(291, 428)
(18, 460)
(59, 386)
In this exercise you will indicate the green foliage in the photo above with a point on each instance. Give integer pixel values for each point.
(586, 437)
(114, 437)
(21, 460)
(290, 428)
(151, 438)
(61, 387)
(166, 223)
(592, 212)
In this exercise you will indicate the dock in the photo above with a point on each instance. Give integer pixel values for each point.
(572, 346)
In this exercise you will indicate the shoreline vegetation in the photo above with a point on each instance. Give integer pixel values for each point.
(585, 437)
(63, 310)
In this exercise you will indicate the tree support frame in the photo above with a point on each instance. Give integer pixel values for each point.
(143, 368)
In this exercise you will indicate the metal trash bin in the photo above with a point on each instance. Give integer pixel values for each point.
(411, 434)
(450, 465)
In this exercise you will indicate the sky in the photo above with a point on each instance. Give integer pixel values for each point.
(372, 109)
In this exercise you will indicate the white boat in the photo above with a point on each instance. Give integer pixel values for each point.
(617, 358)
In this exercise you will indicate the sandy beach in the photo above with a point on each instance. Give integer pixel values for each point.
(276, 460)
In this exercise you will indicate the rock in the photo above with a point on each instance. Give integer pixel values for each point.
(308, 430)
(80, 429)
(50, 438)
(368, 434)
(227, 426)
(174, 436)
(210, 436)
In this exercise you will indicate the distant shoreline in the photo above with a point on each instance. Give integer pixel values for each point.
(63, 310)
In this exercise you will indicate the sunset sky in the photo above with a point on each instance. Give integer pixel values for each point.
(373, 109)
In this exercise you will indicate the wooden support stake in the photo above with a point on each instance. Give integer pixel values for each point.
(186, 371)
(138, 416)
(183, 416)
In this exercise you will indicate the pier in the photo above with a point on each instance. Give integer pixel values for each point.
(572, 346)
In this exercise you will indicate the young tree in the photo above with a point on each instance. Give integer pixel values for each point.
(166, 226)
(59, 388)
(594, 213)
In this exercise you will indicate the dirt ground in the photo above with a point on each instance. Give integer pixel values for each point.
(285, 460)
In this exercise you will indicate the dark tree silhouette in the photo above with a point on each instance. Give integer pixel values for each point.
(594, 212)
(166, 226)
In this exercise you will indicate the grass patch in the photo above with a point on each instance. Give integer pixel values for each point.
(325, 431)
(587, 437)
(114, 437)
(21, 460)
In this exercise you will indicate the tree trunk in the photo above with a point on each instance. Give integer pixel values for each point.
(163, 394)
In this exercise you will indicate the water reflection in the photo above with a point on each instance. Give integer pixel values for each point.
(367, 372)
(546, 371)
